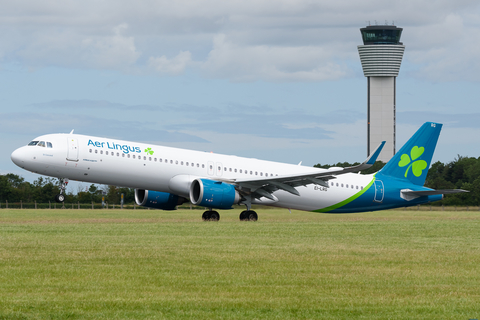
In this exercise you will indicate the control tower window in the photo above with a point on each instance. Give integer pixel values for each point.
(33, 143)
(381, 35)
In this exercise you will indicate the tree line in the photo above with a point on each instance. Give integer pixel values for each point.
(461, 173)
(14, 188)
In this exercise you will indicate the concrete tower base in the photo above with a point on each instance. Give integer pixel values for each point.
(381, 115)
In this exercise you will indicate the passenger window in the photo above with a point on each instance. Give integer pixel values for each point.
(128, 155)
(118, 154)
(203, 166)
(106, 152)
(149, 158)
(361, 188)
(219, 169)
(235, 170)
(186, 163)
(181, 163)
(155, 159)
(171, 161)
(90, 150)
(133, 156)
(346, 185)
(337, 184)
(240, 170)
(41, 144)
(251, 172)
(49, 145)
(357, 187)
(96, 151)
(33, 143)
(123, 155)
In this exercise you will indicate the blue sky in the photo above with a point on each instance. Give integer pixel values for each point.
(276, 80)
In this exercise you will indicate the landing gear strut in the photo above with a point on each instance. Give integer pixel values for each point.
(63, 186)
(210, 216)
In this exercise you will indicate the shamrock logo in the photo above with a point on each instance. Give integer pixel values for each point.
(149, 151)
(417, 166)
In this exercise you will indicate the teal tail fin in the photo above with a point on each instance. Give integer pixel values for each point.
(414, 158)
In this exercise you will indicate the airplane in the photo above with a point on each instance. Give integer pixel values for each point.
(165, 177)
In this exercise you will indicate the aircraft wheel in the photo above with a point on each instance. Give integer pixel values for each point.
(214, 216)
(243, 215)
(206, 216)
(251, 215)
(59, 198)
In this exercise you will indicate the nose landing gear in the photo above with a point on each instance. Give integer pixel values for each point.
(63, 186)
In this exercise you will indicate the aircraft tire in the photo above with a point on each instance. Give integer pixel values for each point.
(251, 215)
(243, 215)
(214, 216)
(59, 198)
(206, 216)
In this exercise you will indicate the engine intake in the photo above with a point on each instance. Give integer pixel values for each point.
(157, 200)
(213, 194)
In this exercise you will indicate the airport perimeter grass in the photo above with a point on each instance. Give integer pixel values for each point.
(146, 264)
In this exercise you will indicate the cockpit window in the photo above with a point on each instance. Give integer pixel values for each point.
(49, 145)
(41, 144)
(33, 143)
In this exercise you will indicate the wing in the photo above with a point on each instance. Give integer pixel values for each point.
(264, 187)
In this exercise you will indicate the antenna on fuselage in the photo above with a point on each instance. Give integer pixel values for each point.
(71, 132)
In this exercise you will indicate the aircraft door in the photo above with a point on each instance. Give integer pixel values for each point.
(378, 191)
(72, 149)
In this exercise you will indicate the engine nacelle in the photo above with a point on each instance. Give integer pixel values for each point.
(157, 200)
(213, 194)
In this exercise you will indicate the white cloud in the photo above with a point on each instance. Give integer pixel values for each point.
(110, 52)
(270, 63)
(174, 66)
(238, 40)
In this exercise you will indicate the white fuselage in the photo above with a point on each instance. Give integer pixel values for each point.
(165, 169)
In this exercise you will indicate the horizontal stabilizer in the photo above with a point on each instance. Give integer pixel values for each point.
(409, 195)
(433, 192)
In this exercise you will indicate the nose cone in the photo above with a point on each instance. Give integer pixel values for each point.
(18, 157)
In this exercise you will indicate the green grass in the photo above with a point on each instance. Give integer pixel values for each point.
(148, 264)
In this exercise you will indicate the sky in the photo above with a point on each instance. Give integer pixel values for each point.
(274, 80)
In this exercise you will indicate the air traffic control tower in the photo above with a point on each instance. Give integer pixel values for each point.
(381, 56)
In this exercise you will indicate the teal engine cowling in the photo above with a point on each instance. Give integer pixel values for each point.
(213, 194)
(157, 200)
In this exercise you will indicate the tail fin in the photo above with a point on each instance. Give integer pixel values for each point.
(413, 159)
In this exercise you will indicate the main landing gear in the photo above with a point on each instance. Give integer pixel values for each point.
(210, 216)
(248, 215)
(63, 186)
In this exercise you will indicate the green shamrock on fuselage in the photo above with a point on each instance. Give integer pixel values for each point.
(417, 166)
(149, 151)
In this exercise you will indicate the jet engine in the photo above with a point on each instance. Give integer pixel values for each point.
(157, 200)
(213, 194)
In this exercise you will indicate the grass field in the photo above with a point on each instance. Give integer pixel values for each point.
(147, 264)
